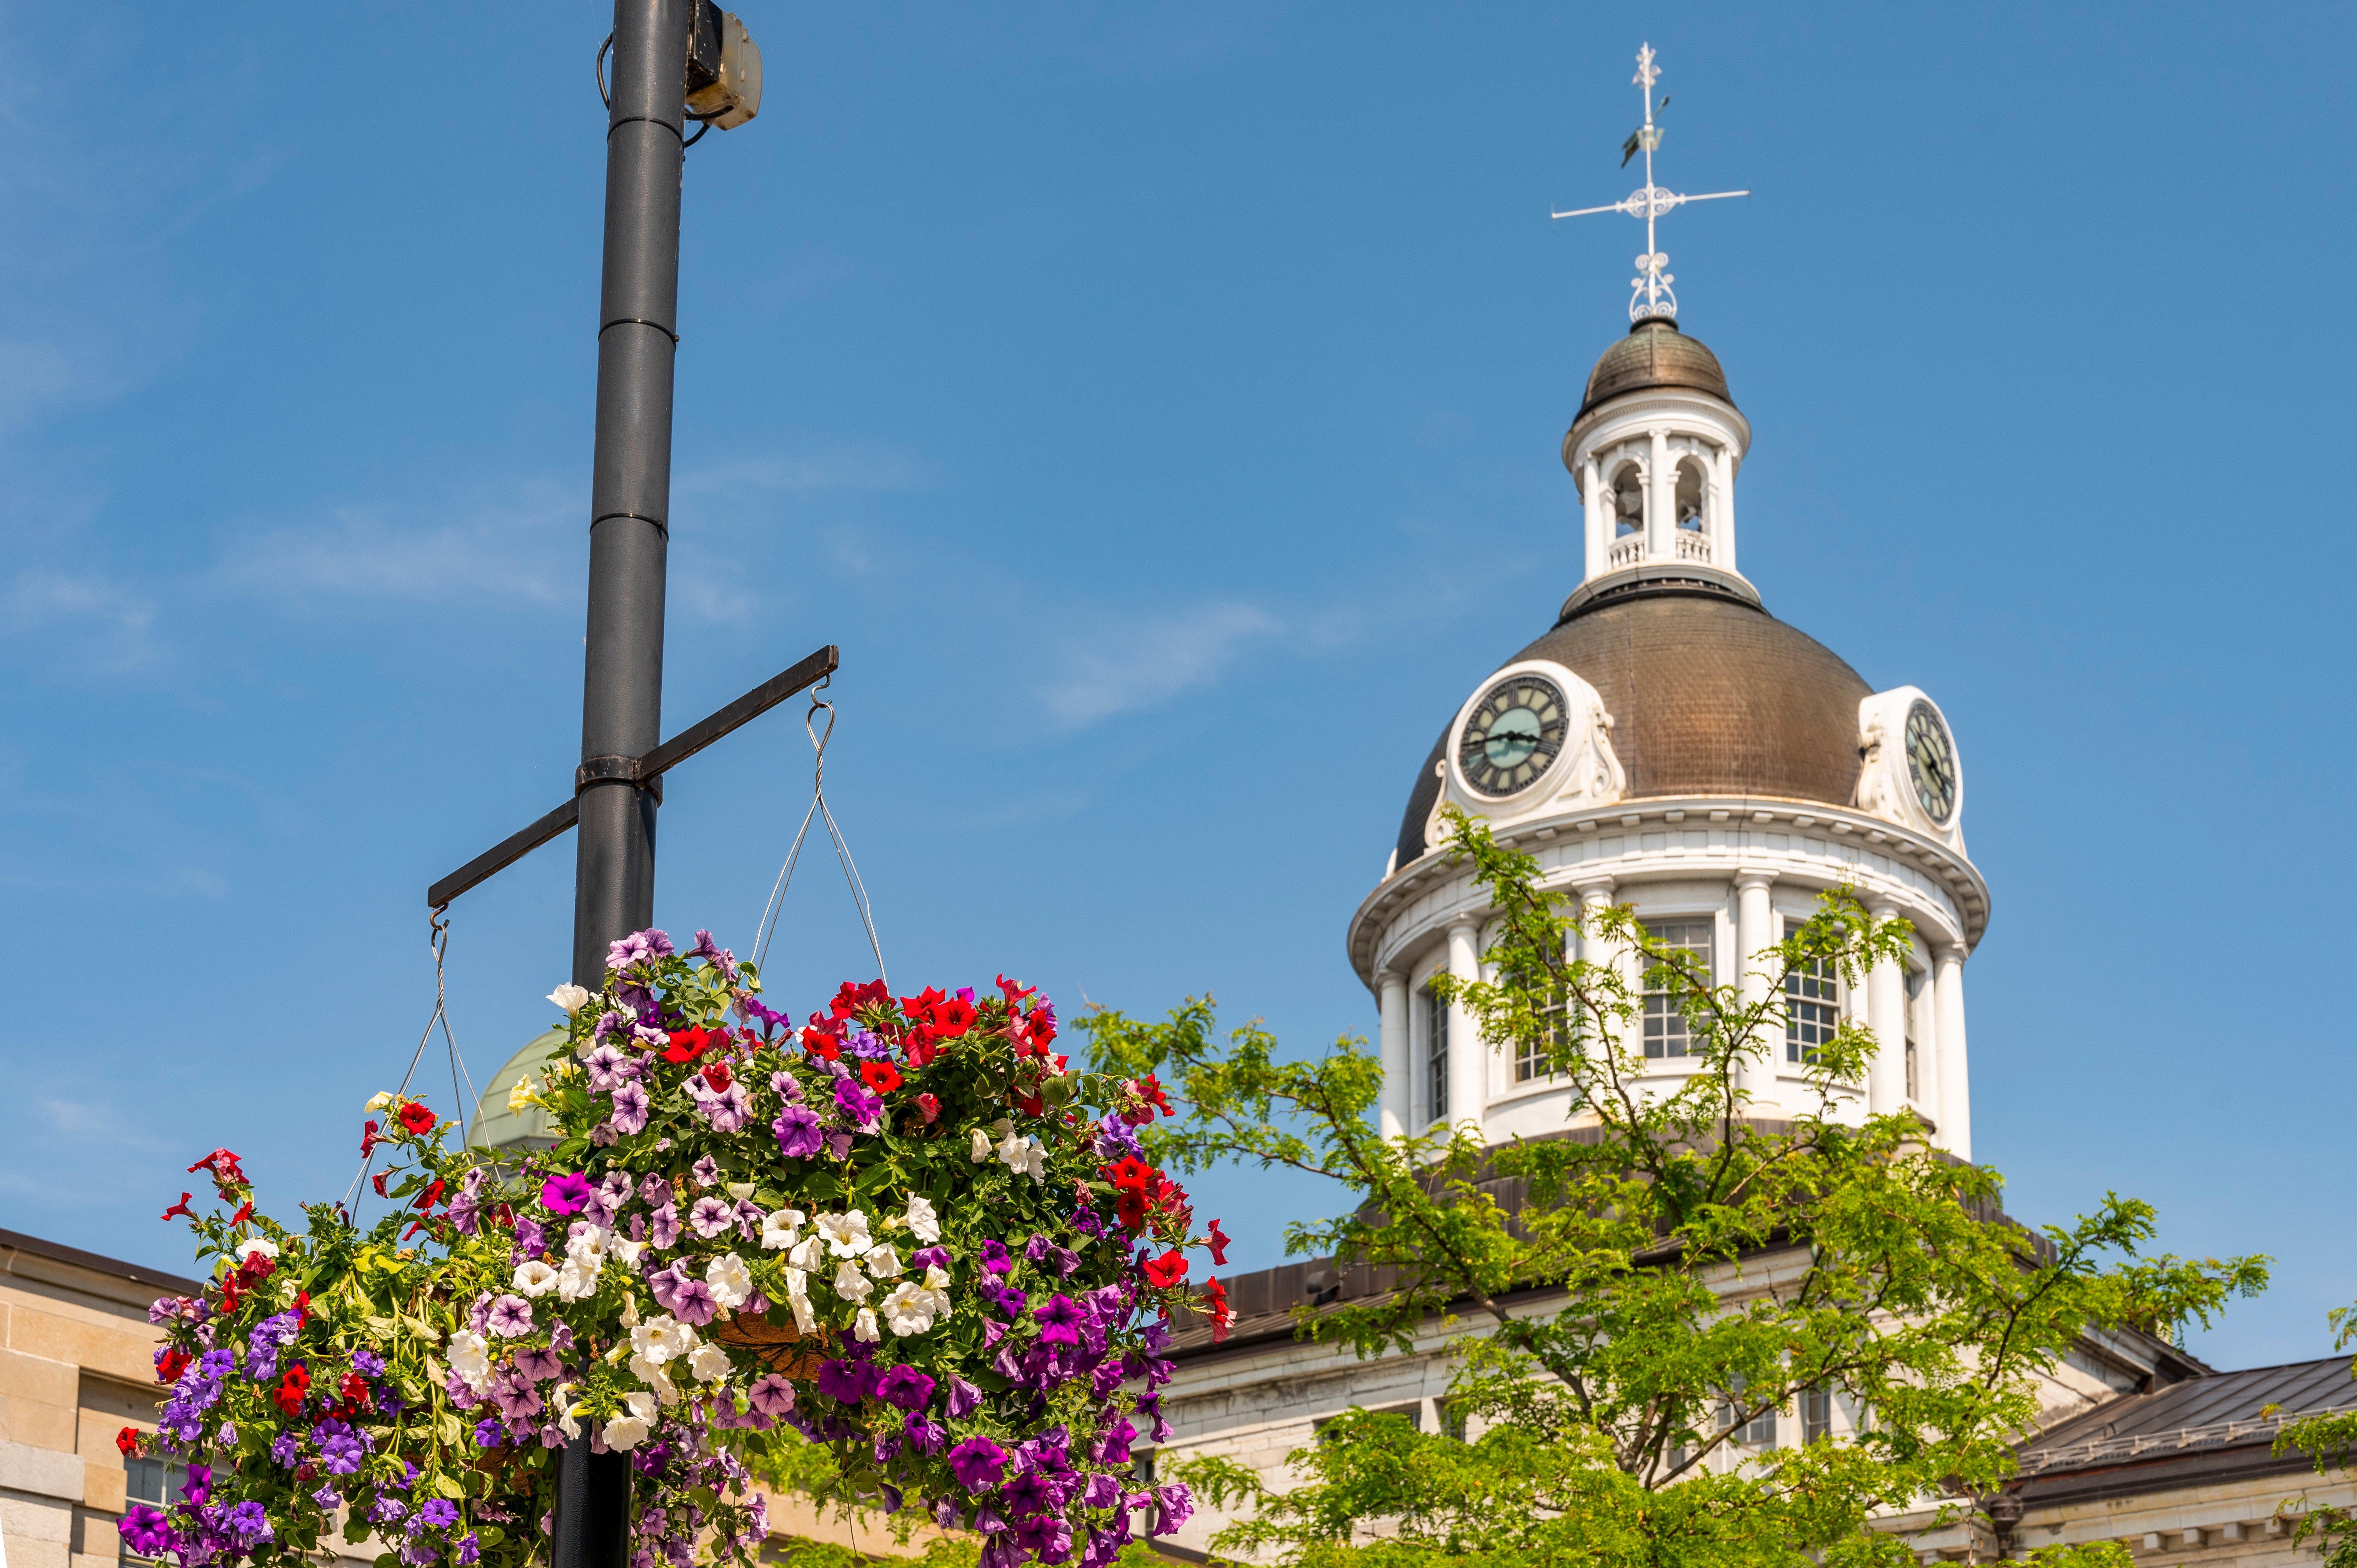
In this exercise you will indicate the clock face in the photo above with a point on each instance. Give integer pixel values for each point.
(1931, 761)
(1514, 736)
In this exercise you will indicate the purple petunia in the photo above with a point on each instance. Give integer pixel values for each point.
(511, 1316)
(906, 1387)
(564, 1194)
(247, 1524)
(712, 1217)
(1059, 1321)
(692, 1304)
(855, 1102)
(995, 1258)
(629, 1109)
(145, 1530)
(840, 1381)
(978, 1463)
(771, 1395)
(963, 1397)
(438, 1513)
(798, 1132)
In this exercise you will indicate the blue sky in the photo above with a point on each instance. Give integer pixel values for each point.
(1159, 406)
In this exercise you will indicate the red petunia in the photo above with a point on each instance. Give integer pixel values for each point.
(1029, 1103)
(1130, 1207)
(257, 1267)
(1151, 1092)
(126, 1442)
(292, 1388)
(931, 1106)
(953, 1017)
(170, 1362)
(1219, 1243)
(430, 1197)
(921, 1048)
(882, 1077)
(1166, 1270)
(181, 1207)
(224, 1168)
(1014, 991)
(1215, 1306)
(377, 1181)
(370, 1138)
(1130, 1172)
(716, 1075)
(302, 1309)
(919, 1007)
(244, 1212)
(820, 1043)
(355, 1390)
(416, 1119)
(686, 1045)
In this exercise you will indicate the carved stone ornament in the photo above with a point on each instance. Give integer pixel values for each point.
(1587, 771)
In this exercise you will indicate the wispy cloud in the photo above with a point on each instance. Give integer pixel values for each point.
(852, 466)
(511, 548)
(1140, 662)
(43, 602)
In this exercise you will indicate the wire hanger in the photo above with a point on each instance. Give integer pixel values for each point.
(775, 908)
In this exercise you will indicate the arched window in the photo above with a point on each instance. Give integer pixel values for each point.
(1691, 489)
(1628, 495)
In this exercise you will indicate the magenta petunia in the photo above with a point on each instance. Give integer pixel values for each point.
(978, 1463)
(566, 1194)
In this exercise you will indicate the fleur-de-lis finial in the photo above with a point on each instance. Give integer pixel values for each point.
(1652, 293)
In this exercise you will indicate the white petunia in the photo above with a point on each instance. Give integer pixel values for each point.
(654, 1377)
(577, 1281)
(661, 1338)
(740, 1190)
(846, 1234)
(850, 1283)
(782, 1227)
(808, 1255)
(709, 1362)
(628, 1251)
(798, 1297)
(937, 1278)
(908, 1309)
(863, 1328)
(534, 1278)
(562, 1402)
(586, 1240)
(731, 1281)
(470, 1359)
(624, 1433)
(981, 1149)
(1023, 1155)
(570, 997)
(380, 1101)
(884, 1263)
(921, 1221)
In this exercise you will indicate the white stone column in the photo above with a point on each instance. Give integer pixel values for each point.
(1599, 516)
(1755, 932)
(1722, 522)
(1662, 500)
(1392, 1110)
(1955, 1088)
(1469, 1058)
(1924, 1018)
(1886, 1014)
(1594, 896)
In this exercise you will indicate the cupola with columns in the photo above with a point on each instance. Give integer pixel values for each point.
(1671, 745)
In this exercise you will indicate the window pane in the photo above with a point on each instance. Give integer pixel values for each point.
(1435, 1055)
(1665, 1030)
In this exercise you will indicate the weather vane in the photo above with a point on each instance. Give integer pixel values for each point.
(1653, 295)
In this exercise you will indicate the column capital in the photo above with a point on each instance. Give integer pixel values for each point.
(1592, 890)
(1883, 909)
(1390, 977)
(1468, 924)
(1952, 952)
(1748, 877)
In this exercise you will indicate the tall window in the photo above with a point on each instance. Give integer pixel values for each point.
(155, 1483)
(1665, 1022)
(1811, 1008)
(1816, 1412)
(1914, 996)
(1435, 1054)
(1758, 1432)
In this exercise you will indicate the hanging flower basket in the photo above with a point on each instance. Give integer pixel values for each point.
(905, 1230)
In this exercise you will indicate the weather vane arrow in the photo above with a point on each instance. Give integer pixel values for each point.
(1653, 295)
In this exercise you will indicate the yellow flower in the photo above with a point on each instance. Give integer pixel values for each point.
(520, 1096)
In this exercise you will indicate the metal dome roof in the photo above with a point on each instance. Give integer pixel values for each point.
(1710, 695)
(1654, 354)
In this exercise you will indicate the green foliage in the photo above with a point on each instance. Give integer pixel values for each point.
(1702, 1266)
(2329, 1441)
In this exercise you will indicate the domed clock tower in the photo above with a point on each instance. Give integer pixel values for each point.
(1670, 744)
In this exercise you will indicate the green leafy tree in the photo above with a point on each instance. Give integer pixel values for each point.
(1676, 1268)
(2330, 1443)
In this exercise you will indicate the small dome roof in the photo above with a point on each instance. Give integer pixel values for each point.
(496, 1126)
(1654, 354)
(1710, 695)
